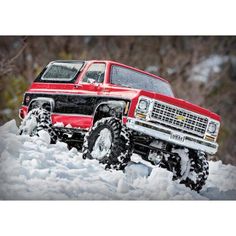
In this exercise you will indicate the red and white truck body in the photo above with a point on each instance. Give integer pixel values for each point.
(145, 103)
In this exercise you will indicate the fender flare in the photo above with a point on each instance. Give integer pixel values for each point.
(41, 101)
(111, 104)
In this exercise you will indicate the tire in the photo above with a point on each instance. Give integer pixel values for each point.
(189, 166)
(109, 142)
(36, 120)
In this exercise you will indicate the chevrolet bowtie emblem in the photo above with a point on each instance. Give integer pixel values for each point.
(180, 118)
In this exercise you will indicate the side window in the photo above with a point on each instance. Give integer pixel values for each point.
(95, 73)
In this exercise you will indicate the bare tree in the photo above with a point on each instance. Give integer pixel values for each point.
(7, 64)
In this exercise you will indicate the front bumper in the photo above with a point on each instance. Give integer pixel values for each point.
(161, 132)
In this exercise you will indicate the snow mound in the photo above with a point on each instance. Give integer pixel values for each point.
(31, 168)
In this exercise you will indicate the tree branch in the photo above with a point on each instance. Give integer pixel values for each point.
(6, 66)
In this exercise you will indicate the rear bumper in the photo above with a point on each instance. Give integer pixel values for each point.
(166, 134)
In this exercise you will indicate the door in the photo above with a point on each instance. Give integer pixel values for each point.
(92, 81)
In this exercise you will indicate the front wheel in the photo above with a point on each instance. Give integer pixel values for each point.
(109, 142)
(189, 166)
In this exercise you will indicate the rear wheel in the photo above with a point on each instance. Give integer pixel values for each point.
(109, 142)
(36, 120)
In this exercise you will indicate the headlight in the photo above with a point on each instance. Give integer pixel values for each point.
(143, 105)
(213, 128)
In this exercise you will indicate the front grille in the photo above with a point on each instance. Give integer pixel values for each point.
(179, 118)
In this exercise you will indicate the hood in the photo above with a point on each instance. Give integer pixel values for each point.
(134, 94)
(182, 104)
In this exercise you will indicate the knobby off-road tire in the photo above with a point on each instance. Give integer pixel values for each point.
(36, 120)
(189, 166)
(109, 142)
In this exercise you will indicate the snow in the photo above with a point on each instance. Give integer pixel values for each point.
(207, 67)
(152, 69)
(32, 168)
(30, 124)
(102, 145)
(59, 124)
(44, 136)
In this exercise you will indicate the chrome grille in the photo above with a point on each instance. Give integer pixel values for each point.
(179, 118)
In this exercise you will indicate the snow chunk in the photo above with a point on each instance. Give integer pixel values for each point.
(9, 127)
(137, 170)
(59, 124)
(122, 187)
(44, 136)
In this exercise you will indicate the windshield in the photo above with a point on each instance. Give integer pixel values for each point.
(62, 71)
(130, 78)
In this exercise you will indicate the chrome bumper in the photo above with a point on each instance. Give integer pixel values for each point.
(161, 132)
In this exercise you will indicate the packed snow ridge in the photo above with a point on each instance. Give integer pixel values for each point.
(32, 168)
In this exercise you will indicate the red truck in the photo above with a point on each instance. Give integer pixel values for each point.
(110, 110)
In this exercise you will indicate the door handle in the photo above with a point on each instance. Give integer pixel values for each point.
(77, 86)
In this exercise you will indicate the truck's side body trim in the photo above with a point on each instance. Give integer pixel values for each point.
(74, 104)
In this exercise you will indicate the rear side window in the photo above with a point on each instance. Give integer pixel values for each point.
(95, 73)
(60, 72)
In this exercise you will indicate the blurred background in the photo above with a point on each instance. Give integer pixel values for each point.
(201, 70)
